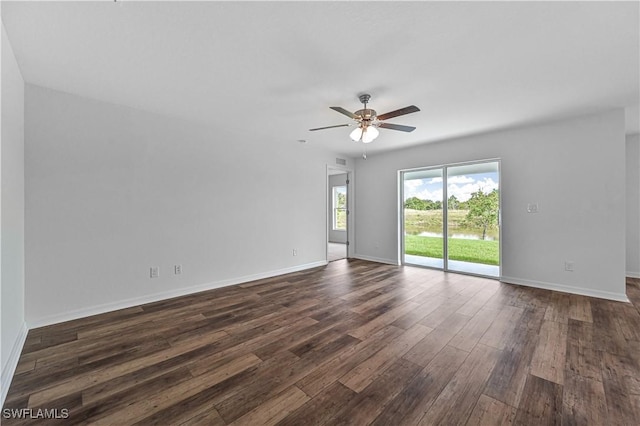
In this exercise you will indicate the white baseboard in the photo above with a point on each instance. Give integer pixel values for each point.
(108, 307)
(376, 259)
(632, 274)
(10, 367)
(618, 297)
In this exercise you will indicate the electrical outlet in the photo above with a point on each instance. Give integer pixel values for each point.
(177, 269)
(568, 265)
(295, 252)
(154, 272)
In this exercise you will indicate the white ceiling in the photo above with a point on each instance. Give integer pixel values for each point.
(274, 68)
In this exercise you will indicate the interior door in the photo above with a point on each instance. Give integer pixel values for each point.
(338, 215)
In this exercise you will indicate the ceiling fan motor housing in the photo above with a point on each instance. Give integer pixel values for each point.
(366, 114)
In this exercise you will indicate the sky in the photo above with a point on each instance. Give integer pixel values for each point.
(460, 186)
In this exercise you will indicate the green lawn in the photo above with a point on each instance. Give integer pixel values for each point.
(477, 251)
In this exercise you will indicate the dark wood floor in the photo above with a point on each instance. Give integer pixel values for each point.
(351, 343)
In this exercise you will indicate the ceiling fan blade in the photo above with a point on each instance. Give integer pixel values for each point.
(399, 112)
(396, 127)
(329, 127)
(345, 112)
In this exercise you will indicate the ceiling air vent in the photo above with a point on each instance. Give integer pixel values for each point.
(341, 161)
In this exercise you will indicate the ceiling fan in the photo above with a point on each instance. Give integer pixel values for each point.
(368, 121)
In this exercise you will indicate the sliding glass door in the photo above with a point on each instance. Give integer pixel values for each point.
(451, 217)
(473, 232)
(423, 218)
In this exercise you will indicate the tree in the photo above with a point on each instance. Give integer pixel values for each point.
(414, 203)
(454, 204)
(483, 210)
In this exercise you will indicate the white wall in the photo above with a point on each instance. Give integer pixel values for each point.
(633, 206)
(112, 191)
(574, 169)
(12, 214)
(335, 236)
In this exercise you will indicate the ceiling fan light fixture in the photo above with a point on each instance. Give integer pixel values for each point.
(366, 134)
(369, 134)
(356, 135)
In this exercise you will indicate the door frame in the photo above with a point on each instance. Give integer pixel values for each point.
(445, 206)
(350, 209)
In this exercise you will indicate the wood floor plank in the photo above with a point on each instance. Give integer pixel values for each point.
(251, 345)
(367, 405)
(413, 346)
(257, 393)
(473, 330)
(203, 400)
(123, 383)
(615, 373)
(632, 368)
(584, 401)
(411, 318)
(24, 366)
(457, 400)
(112, 398)
(330, 350)
(491, 412)
(635, 405)
(168, 397)
(366, 372)
(322, 408)
(478, 301)
(296, 335)
(329, 372)
(507, 380)
(582, 357)
(548, 360)
(502, 326)
(409, 406)
(425, 350)
(276, 409)
(533, 297)
(628, 320)
(444, 311)
(78, 383)
(606, 329)
(559, 308)
(382, 320)
(580, 308)
(209, 417)
(541, 403)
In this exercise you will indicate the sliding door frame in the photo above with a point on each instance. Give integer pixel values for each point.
(445, 208)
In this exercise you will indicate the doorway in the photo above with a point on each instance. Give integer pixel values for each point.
(451, 217)
(338, 215)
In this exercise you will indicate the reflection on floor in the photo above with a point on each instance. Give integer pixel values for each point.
(454, 265)
(336, 251)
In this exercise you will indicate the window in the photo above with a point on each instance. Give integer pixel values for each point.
(339, 208)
